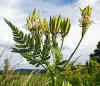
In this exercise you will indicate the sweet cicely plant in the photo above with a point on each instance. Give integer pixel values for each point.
(40, 45)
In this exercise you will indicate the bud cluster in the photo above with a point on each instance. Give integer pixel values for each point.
(35, 23)
(85, 21)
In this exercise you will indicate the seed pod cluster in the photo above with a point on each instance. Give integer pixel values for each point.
(57, 23)
(65, 26)
(54, 25)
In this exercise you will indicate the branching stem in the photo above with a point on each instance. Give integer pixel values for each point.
(74, 51)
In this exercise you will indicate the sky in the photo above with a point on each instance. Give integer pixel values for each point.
(17, 10)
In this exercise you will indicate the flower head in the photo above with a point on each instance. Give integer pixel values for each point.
(85, 21)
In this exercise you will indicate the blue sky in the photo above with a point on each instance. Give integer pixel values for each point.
(17, 10)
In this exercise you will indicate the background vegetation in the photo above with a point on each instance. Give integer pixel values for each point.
(40, 45)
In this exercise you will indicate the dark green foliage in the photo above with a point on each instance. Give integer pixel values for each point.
(46, 49)
(96, 55)
(36, 52)
(97, 78)
(57, 55)
(29, 46)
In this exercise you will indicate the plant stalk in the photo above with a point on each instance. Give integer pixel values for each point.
(74, 51)
(62, 42)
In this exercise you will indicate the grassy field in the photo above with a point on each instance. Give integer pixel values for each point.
(25, 80)
(78, 77)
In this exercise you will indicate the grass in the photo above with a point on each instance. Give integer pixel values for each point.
(87, 75)
(34, 80)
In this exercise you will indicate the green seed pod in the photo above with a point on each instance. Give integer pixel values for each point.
(58, 23)
(54, 25)
(90, 11)
(81, 10)
(65, 19)
(62, 26)
(67, 26)
(50, 23)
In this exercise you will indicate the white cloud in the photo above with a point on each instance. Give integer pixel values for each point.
(15, 11)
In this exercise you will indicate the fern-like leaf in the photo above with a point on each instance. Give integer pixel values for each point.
(45, 54)
(29, 46)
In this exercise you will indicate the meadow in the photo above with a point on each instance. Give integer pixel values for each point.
(78, 75)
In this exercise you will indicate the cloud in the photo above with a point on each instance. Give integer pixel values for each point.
(16, 11)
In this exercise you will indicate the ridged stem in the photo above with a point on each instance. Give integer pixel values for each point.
(74, 51)
(62, 43)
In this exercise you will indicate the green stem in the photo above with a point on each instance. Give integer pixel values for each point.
(74, 51)
(51, 74)
(53, 81)
(62, 42)
(75, 60)
(41, 64)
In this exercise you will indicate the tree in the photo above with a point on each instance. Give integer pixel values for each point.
(37, 50)
(96, 55)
